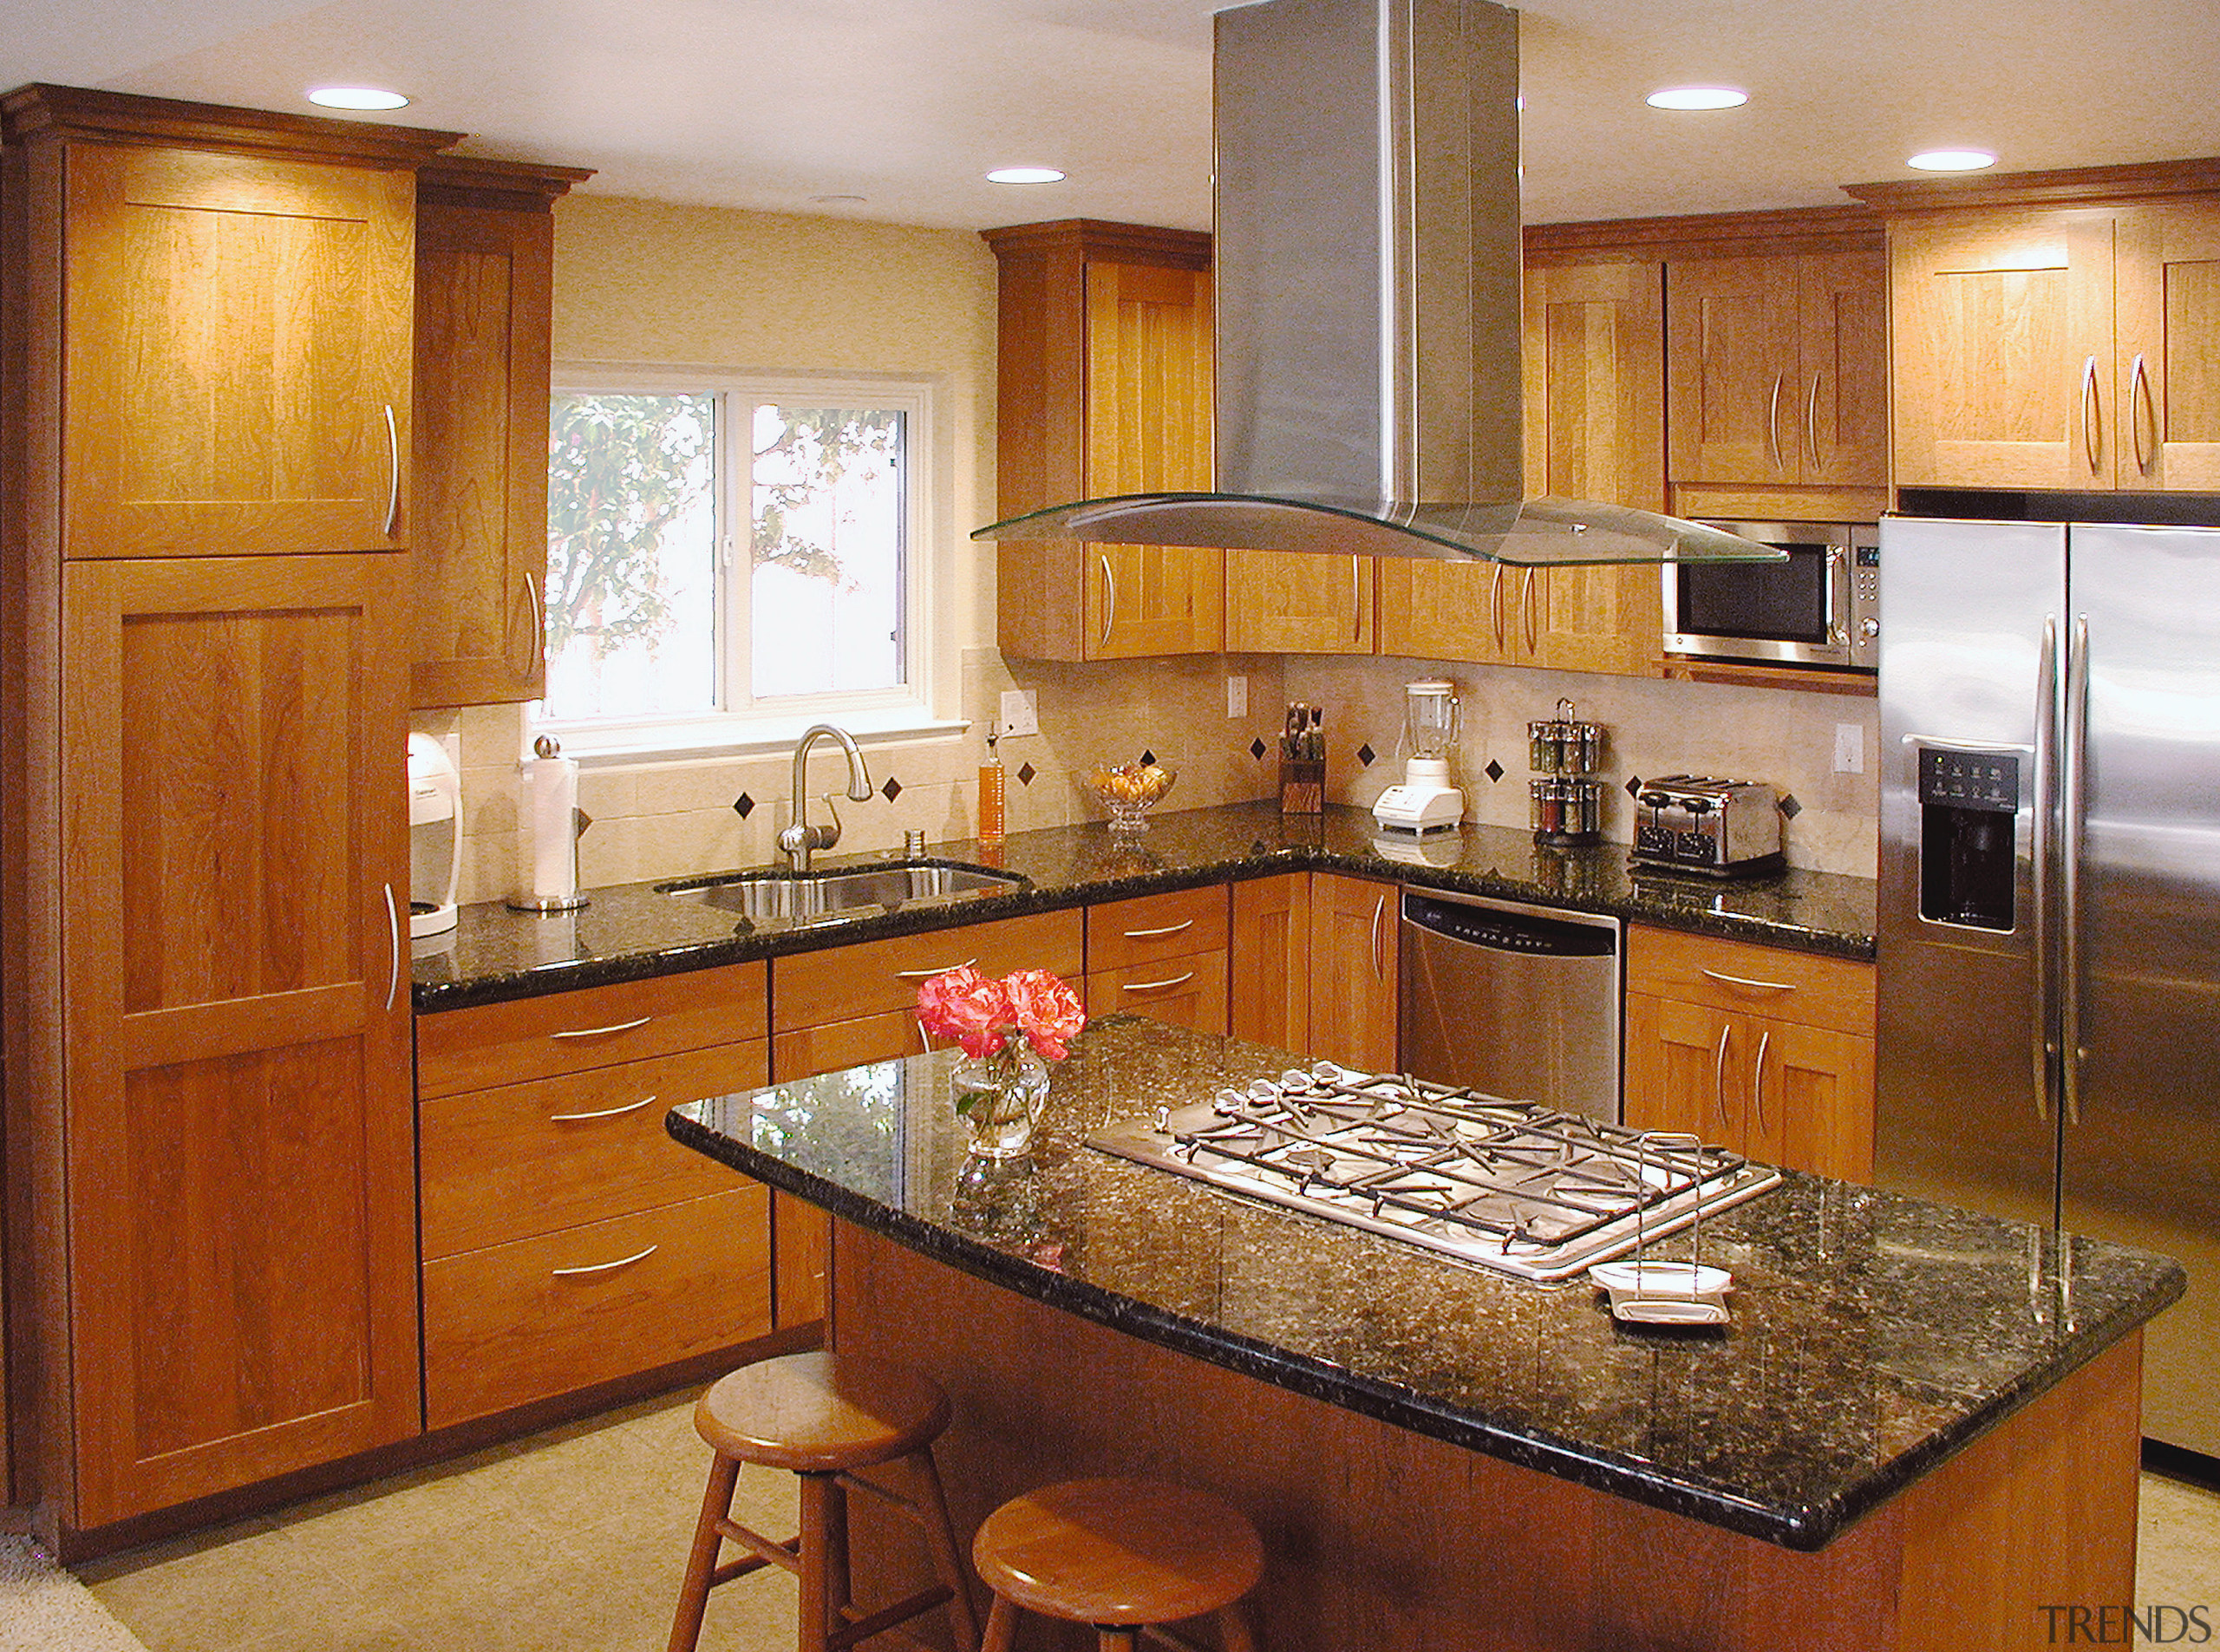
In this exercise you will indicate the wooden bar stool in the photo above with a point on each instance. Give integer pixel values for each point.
(1128, 1556)
(823, 1417)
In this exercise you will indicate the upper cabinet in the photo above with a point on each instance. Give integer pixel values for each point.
(1104, 388)
(237, 314)
(2055, 330)
(484, 262)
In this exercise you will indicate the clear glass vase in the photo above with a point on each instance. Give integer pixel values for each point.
(1000, 1098)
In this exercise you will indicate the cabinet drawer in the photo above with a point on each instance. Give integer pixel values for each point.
(504, 1325)
(808, 1050)
(571, 1032)
(1800, 987)
(529, 1159)
(848, 981)
(1176, 924)
(1187, 992)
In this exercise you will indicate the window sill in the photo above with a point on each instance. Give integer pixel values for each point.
(678, 743)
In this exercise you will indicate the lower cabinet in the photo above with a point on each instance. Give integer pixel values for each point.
(1270, 947)
(1160, 955)
(567, 1240)
(1767, 1052)
(1353, 971)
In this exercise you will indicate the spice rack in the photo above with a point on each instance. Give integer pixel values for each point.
(1567, 800)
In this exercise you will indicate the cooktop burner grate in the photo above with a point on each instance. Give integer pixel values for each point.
(1514, 1186)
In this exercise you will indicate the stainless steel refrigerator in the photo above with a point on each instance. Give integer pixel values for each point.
(2050, 897)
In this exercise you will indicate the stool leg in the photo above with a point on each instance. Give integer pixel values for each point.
(814, 1617)
(940, 1534)
(1001, 1627)
(1233, 1633)
(1116, 1639)
(701, 1562)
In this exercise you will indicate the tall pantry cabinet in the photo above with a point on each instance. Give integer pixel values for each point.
(211, 1195)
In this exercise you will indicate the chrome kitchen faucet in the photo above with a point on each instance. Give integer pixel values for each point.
(798, 840)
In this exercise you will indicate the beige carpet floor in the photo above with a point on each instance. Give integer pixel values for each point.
(573, 1541)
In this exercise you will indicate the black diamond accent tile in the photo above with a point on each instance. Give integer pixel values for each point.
(579, 821)
(743, 806)
(1025, 774)
(1634, 785)
(1148, 757)
(891, 790)
(1494, 770)
(1365, 754)
(1256, 749)
(1789, 806)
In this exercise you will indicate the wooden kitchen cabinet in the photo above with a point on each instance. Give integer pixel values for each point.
(1269, 955)
(484, 267)
(1353, 971)
(1279, 603)
(2166, 322)
(1103, 387)
(1764, 1051)
(1160, 955)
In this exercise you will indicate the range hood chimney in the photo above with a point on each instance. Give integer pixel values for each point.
(1367, 294)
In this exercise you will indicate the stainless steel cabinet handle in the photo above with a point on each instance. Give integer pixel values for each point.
(606, 1112)
(1740, 981)
(1378, 963)
(2140, 402)
(1812, 424)
(603, 1267)
(1772, 422)
(604, 1032)
(1719, 1075)
(2041, 851)
(919, 975)
(1169, 929)
(1156, 986)
(393, 967)
(2089, 447)
(1495, 606)
(392, 472)
(1357, 600)
(1526, 608)
(538, 633)
(2075, 792)
(1109, 601)
(1757, 1078)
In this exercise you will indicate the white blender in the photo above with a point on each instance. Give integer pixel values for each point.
(1425, 802)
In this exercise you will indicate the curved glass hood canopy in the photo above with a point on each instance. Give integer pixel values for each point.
(1366, 292)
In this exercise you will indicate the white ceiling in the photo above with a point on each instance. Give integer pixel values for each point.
(766, 103)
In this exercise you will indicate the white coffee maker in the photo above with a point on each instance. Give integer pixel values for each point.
(434, 838)
(1425, 802)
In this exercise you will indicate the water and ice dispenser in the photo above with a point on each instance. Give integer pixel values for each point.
(1969, 805)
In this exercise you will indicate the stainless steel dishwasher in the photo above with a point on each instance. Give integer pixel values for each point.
(1522, 1002)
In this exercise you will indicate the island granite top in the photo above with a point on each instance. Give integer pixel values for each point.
(630, 931)
(1872, 1334)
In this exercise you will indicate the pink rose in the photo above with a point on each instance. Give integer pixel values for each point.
(1047, 1011)
(972, 1009)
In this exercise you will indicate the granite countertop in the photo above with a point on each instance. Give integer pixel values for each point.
(1873, 1334)
(630, 931)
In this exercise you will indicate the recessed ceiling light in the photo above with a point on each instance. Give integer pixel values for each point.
(356, 97)
(1025, 175)
(839, 200)
(1952, 160)
(1698, 97)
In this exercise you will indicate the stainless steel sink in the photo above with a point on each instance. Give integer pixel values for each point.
(844, 891)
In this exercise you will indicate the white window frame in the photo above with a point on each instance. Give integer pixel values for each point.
(913, 709)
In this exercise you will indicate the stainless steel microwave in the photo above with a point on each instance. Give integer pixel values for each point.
(1820, 607)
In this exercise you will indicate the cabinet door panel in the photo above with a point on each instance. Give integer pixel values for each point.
(1685, 1065)
(1448, 611)
(1840, 420)
(1271, 962)
(2169, 286)
(242, 1175)
(1187, 992)
(1305, 604)
(1812, 1090)
(1353, 971)
(238, 336)
(1736, 389)
(1594, 383)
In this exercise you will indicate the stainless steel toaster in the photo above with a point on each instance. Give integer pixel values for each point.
(1719, 828)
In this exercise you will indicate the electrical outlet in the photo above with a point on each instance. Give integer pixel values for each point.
(1021, 712)
(1237, 697)
(1850, 748)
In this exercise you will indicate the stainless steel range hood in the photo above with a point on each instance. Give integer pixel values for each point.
(1367, 293)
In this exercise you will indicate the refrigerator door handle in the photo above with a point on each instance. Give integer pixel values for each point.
(2041, 811)
(2075, 792)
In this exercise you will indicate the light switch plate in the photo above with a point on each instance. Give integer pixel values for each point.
(1850, 748)
(1021, 712)
(1237, 697)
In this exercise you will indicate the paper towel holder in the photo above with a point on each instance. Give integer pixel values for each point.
(548, 763)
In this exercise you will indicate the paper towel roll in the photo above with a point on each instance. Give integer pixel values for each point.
(550, 786)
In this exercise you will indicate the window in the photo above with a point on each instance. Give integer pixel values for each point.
(730, 559)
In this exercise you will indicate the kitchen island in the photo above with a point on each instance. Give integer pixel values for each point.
(1921, 1428)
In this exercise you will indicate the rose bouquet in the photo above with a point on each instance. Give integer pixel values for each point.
(1010, 1029)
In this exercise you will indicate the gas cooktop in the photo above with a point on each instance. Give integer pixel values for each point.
(1512, 1185)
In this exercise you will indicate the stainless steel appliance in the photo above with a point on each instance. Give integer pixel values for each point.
(1820, 607)
(1511, 999)
(1513, 1185)
(1719, 828)
(2050, 899)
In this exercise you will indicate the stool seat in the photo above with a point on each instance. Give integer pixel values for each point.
(813, 1414)
(1118, 1551)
